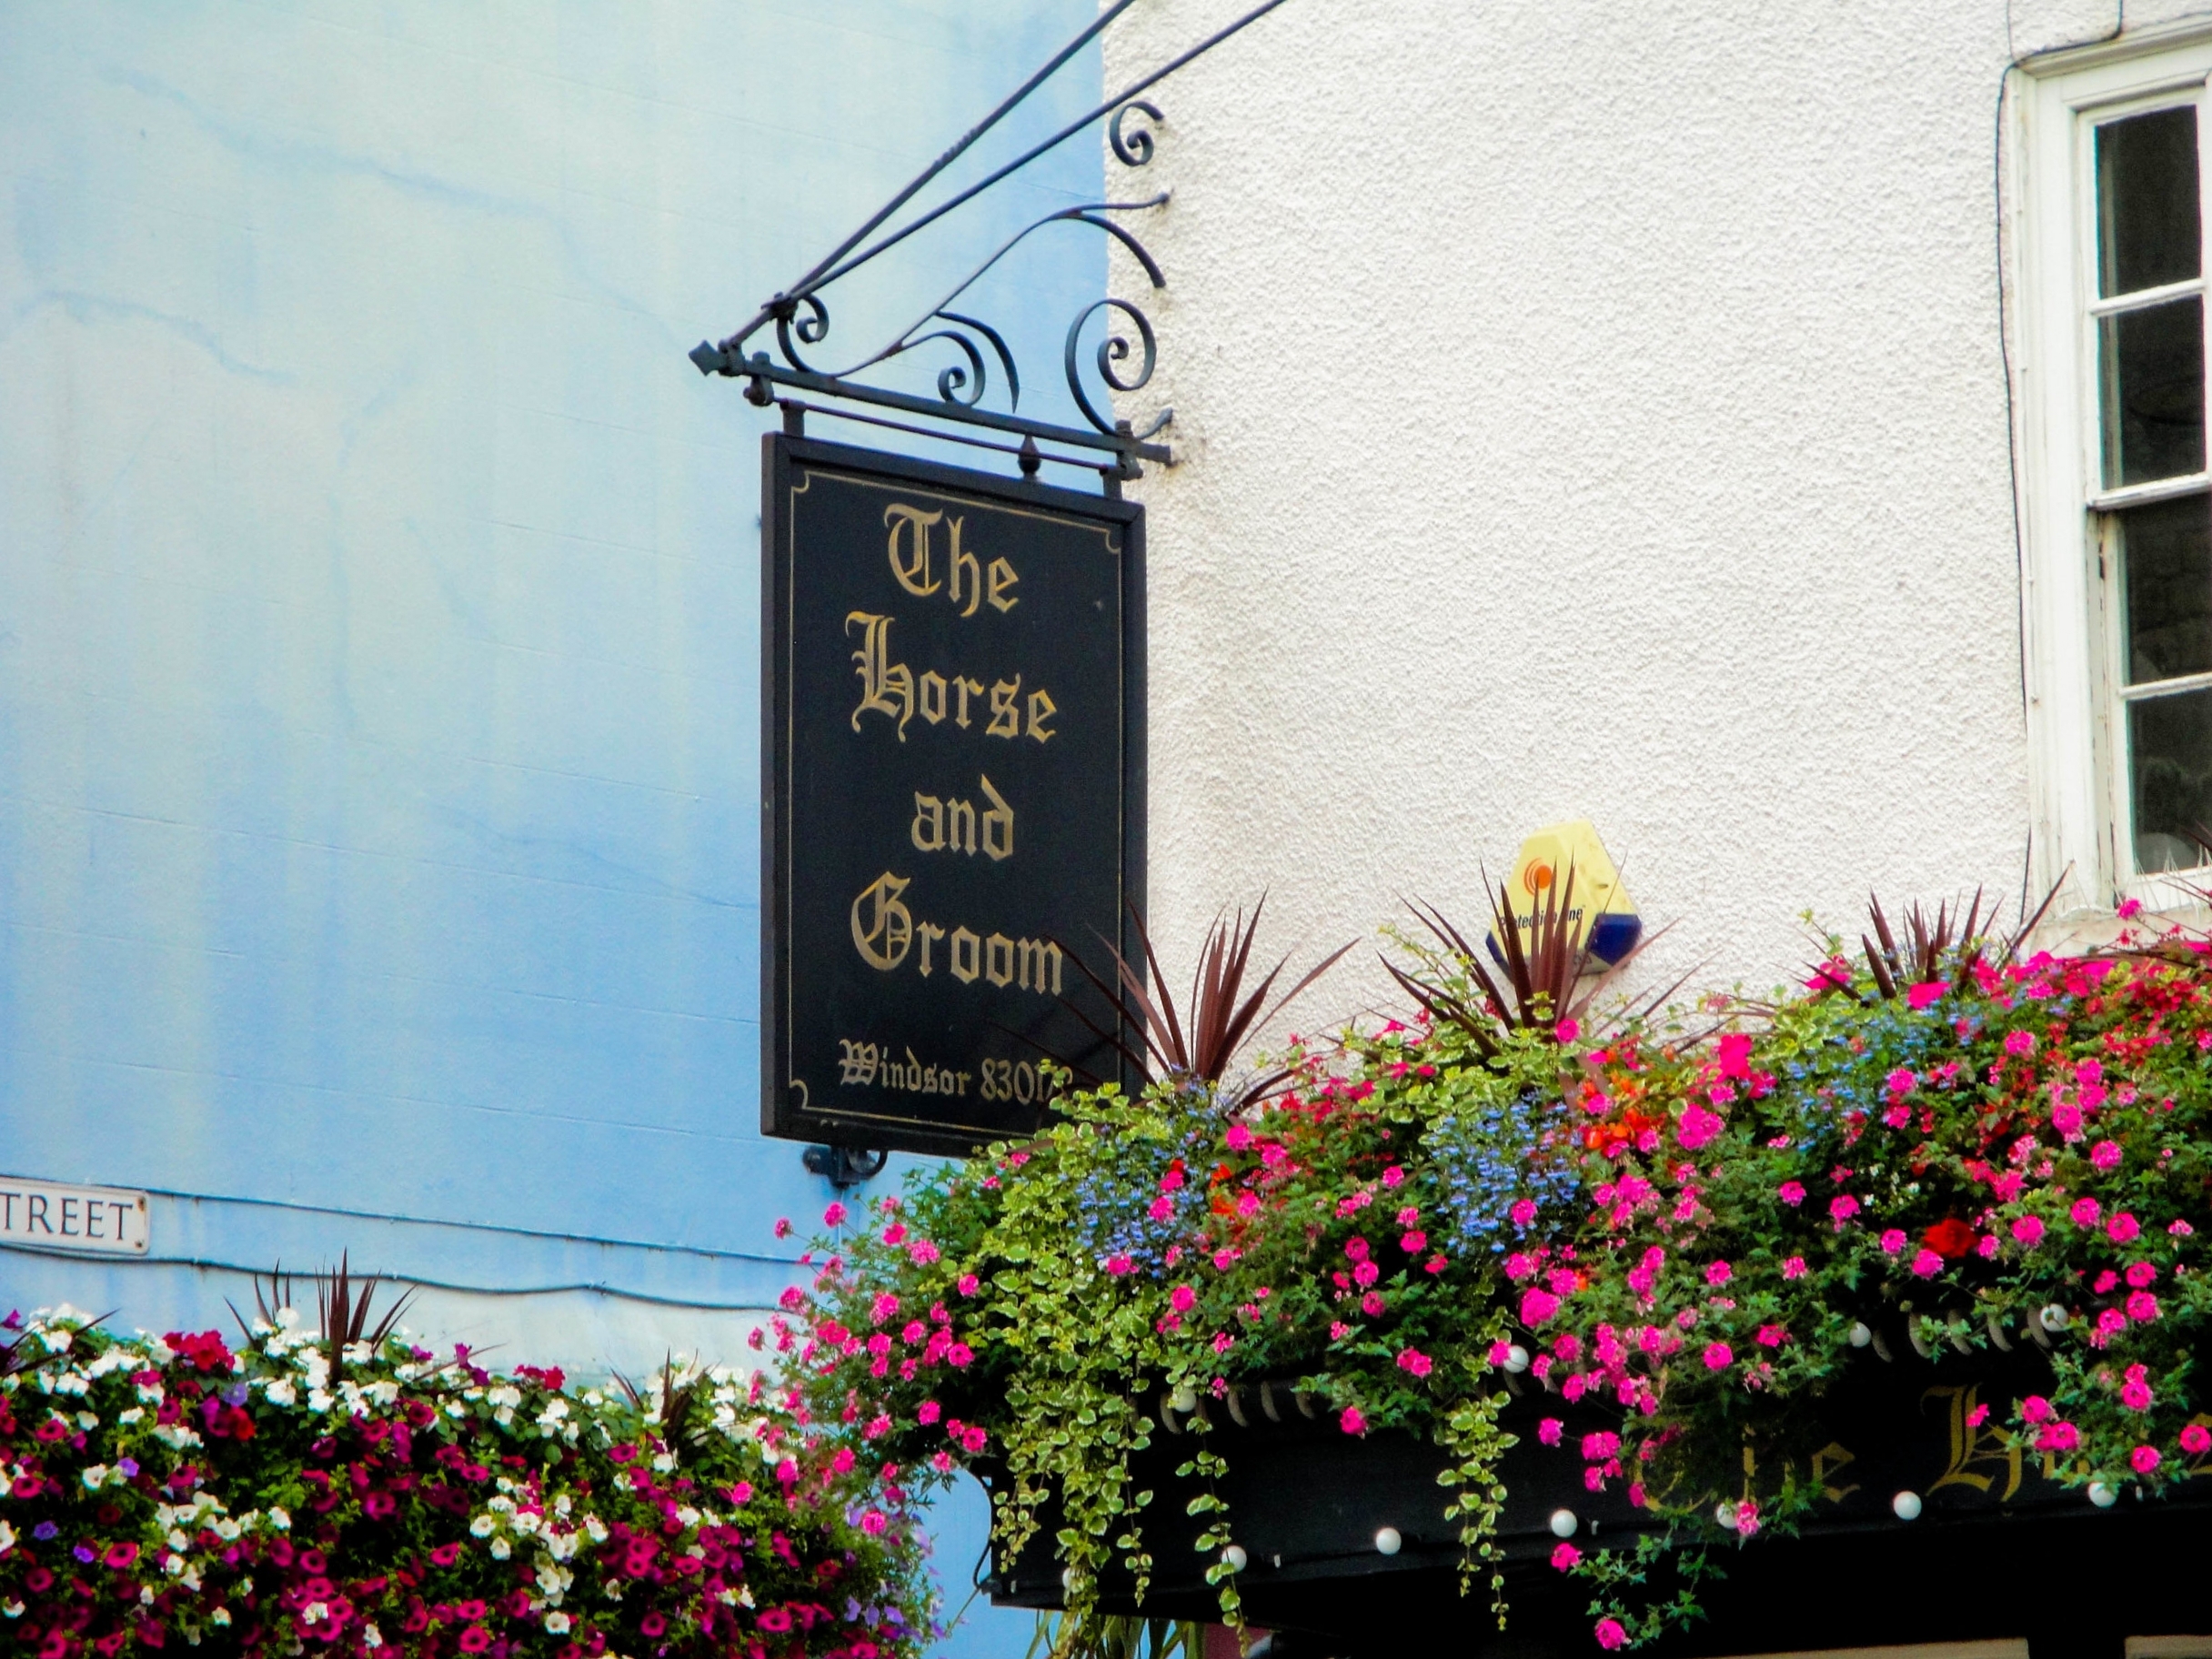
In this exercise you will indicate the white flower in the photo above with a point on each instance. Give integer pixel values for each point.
(279, 1519)
(501, 1549)
(13, 1610)
(455, 1409)
(133, 1415)
(505, 1394)
(596, 1528)
(315, 1613)
(176, 1540)
(95, 1477)
(527, 1523)
(226, 1529)
(7, 1537)
(371, 1636)
(558, 1623)
(482, 1526)
(282, 1393)
(221, 1616)
(663, 1463)
(318, 1402)
(289, 1318)
(145, 1595)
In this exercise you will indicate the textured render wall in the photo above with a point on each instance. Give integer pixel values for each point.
(1584, 410)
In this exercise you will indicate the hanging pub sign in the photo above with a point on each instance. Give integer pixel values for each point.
(955, 804)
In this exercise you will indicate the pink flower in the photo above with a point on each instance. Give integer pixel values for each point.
(2145, 1460)
(1412, 1359)
(1161, 1209)
(2036, 1409)
(1393, 1176)
(1841, 1208)
(930, 1412)
(1182, 1299)
(1793, 1268)
(2134, 1393)
(1565, 1555)
(1537, 1305)
(2019, 1042)
(1791, 1192)
(970, 1284)
(1523, 1211)
(2058, 1437)
(1901, 1080)
(1610, 1636)
(2087, 1212)
(1118, 1264)
(783, 1226)
(2027, 1231)
(1351, 1421)
(1927, 1264)
(2142, 1307)
(2197, 1440)
(1893, 1242)
(1718, 1272)
(834, 1216)
(1925, 992)
(1697, 1127)
(1989, 1247)
(895, 1233)
(1223, 1342)
(1773, 1336)
(1239, 1138)
(1549, 1431)
(1372, 1303)
(2105, 1154)
(1719, 1356)
(1413, 1243)
(2128, 910)
(2123, 1229)
(1567, 1030)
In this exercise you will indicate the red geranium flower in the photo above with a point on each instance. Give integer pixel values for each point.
(1950, 1238)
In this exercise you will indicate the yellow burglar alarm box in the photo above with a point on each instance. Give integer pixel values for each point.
(1597, 909)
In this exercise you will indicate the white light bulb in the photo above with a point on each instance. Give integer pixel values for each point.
(1564, 1523)
(2102, 1495)
(1388, 1542)
(1860, 1335)
(1725, 1516)
(1906, 1506)
(1234, 1557)
(1516, 1358)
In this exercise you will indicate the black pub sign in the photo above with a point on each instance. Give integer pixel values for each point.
(954, 753)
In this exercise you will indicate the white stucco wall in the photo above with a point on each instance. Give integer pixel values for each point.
(1584, 410)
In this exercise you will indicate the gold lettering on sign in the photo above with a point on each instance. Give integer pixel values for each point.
(999, 960)
(1973, 1444)
(964, 562)
(998, 826)
(1042, 708)
(1005, 719)
(960, 826)
(967, 689)
(1002, 578)
(930, 933)
(927, 829)
(882, 931)
(910, 526)
(858, 1064)
(931, 701)
(1829, 1458)
(886, 686)
(1034, 959)
(964, 952)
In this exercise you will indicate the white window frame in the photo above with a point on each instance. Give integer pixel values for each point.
(2074, 629)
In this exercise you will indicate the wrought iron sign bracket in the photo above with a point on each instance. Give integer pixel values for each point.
(1123, 359)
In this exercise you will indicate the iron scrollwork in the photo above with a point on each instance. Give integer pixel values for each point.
(800, 314)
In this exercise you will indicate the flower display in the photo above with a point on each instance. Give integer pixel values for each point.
(1683, 1233)
(299, 1494)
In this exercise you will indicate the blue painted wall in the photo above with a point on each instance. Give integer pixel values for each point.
(378, 701)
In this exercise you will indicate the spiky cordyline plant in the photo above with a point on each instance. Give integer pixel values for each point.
(342, 1308)
(1541, 978)
(1196, 1045)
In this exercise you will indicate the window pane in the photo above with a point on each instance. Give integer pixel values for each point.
(2166, 562)
(2169, 749)
(2147, 229)
(2151, 365)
